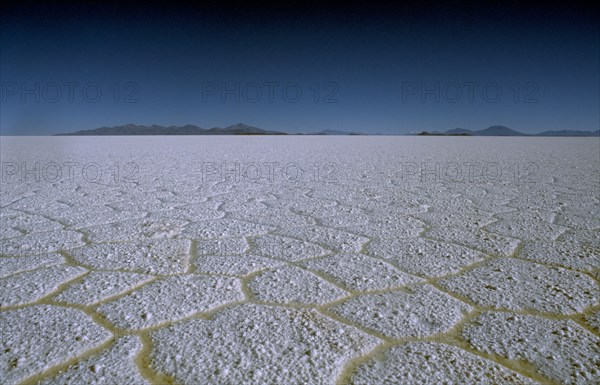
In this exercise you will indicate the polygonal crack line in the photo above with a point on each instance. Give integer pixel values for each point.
(321, 276)
(451, 337)
(303, 215)
(276, 234)
(435, 282)
(41, 267)
(578, 317)
(438, 240)
(461, 298)
(63, 224)
(520, 366)
(93, 306)
(325, 227)
(47, 298)
(62, 366)
(371, 238)
(405, 288)
(427, 225)
(70, 260)
(324, 310)
(581, 319)
(465, 269)
(551, 264)
(594, 274)
(574, 231)
(391, 263)
(251, 297)
(433, 279)
(498, 220)
(350, 366)
(143, 361)
(203, 315)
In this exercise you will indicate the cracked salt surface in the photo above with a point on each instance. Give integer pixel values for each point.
(520, 285)
(38, 337)
(419, 312)
(170, 299)
(360, 273)
(116, 365)
(258, 344)
(99, 285)
(425, 257)
(291, 285)
(41, 243)
(238, 265)
(13, 265)
(559, 349)
(30, 286)
(366, 276)
(432, 363)
(161, 256)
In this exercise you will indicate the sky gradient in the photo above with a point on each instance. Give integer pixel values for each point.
(292, 68)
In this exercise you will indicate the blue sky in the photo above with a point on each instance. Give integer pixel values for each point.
(300, 69)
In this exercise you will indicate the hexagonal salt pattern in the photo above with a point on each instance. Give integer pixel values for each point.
(334, 239)
(425, 257)
(434, 363)
(15, 265)
(367, 276)
(30, 286)
(291, 285)
(100, 285)
(38, 337)
(519, 285)
(238, 265)
(482, 240)
(565, 253)
(162, 256)
(359, 272)
(527, 225)
(560, 349)
(286, 249)
(41, 243)
(422, 311)
(116, 365)
(133, 229)
(594, 320)
(170, 299)
(253, 344)
(223, 228)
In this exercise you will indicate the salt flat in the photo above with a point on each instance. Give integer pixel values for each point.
(283, 260)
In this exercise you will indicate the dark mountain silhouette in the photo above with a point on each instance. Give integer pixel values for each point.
(335, 132)
(133, 129)
(498, 131)
(569, 133)
(241, 129)
(244, 129)
(505, 131)
(459, 131)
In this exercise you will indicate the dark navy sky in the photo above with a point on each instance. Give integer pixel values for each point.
(381, 69)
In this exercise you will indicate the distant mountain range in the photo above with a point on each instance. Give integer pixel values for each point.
(334, 132)
(133, 129)
(244, 129)
(505, 131)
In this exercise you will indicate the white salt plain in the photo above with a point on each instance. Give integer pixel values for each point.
(287, 260)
